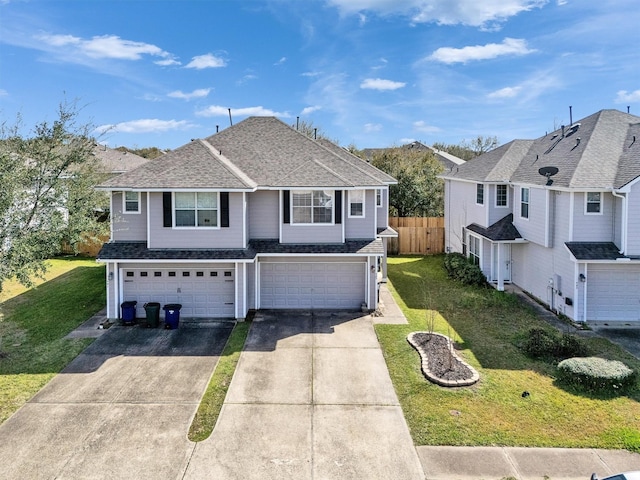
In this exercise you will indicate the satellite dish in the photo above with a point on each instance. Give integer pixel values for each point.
(548, 172)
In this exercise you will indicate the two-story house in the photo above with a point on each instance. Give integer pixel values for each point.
(558, 216)
(257, 216)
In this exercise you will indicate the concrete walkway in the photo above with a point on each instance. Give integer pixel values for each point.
(311, 399)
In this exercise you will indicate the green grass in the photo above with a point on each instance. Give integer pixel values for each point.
(33, 324)
(488, 326)
(213, 398)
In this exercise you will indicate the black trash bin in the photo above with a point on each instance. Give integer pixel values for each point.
(128, 312)
(172, 315)
(153, 314)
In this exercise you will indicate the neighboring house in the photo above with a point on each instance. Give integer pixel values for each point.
(447, 160)
(256, 216)
(115, 162)
(558, 216)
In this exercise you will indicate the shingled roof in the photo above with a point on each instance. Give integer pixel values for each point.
(259, 152)
(501, 231)
(597, 152)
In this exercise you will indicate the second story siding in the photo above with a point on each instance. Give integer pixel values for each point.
(593, 226)
(129, 227)
(264, 214)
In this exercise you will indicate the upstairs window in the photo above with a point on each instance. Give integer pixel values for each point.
(311, 206)
(524, 203)
(594, 203)
(502, 199)
(378, 197)
(198, 210)
(356, 203)
(131, 202)
(480, 194)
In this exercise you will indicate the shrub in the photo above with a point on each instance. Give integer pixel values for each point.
(461, 269)
(597, 375)
(547, 344)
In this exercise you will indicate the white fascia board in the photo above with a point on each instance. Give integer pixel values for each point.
(317, 255)
(176, 260)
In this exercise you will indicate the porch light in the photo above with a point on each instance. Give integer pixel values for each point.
(582, 277)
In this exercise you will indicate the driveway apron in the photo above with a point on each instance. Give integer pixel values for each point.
(121, 409)
(311, 399)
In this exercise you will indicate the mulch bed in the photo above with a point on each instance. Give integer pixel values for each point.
(440, 362)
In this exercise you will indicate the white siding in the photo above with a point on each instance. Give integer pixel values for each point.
(533, 229)
(633, 221)
(382, 212)
(167, 237)
(129, 227)
(593, 228)
(264, 214)
(461, 210)
(497, 213)
(360, 228)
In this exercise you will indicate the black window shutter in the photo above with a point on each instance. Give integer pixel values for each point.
(224, 209)
(166, 209)
(338, 203)
(286, 206)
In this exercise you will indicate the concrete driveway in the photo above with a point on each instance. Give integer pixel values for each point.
(311, 399)
(121, 409)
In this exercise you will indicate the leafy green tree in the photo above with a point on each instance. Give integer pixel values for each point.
(419, 191)
(47, 193)
(469, 150)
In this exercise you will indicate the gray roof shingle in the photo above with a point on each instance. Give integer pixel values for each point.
(503, 230)
(594, 250)
(596, 152)
(257, 152)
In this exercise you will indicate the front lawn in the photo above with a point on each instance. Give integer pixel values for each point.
(33, 324)
(488, 325)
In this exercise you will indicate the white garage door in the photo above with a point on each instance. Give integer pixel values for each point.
(202, 292)
(312, 285)
(613, 294)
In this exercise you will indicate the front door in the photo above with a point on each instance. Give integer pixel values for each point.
(501, 262)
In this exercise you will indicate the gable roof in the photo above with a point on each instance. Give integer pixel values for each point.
(114, 161)
(596, 152)
(501, 231)
(259, 152)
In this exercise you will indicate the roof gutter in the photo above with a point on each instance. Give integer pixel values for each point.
(623, 233)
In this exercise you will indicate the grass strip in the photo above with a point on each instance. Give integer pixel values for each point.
(488, 327)
(213, 398)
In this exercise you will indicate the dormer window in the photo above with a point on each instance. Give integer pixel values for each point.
(131, 202)
(593, 203)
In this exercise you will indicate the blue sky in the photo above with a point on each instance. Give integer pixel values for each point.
(369, 73)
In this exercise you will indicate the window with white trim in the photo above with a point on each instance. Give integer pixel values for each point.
(196, 209)
(378, 197)
(474, 250)
(356, 203)
(524, 202)
(593, 203)
(311, 206)
(131, 202)
(480, 194)
(502, 197)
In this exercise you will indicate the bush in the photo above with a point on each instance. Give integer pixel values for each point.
(547, 344)
(461, 269)
(597, 375)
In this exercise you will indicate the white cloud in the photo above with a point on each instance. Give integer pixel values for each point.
(444, 12)
(281, 61)
(421, 126)
(628, 97)
(168, 62)
(206, 61)
(106, 46)
(310, 110)
(311, 74)
(198, 93)
(3, 92)
(146, 125)
(247, 78)
(507, 92)
(509, 46)
(380, 84)
(372, 127)
(218, 111)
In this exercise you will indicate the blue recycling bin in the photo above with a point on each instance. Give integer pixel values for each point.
(172, 315)
(128, 312)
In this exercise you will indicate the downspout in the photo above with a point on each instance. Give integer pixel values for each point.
(623, 214)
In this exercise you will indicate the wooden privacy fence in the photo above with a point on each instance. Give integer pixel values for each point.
(417, 235)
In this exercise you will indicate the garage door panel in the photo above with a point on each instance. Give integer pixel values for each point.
(613, 294)
(312, 285)
(201, 292)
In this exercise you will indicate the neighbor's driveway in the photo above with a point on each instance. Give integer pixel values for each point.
(121, 409)
(311, 399)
